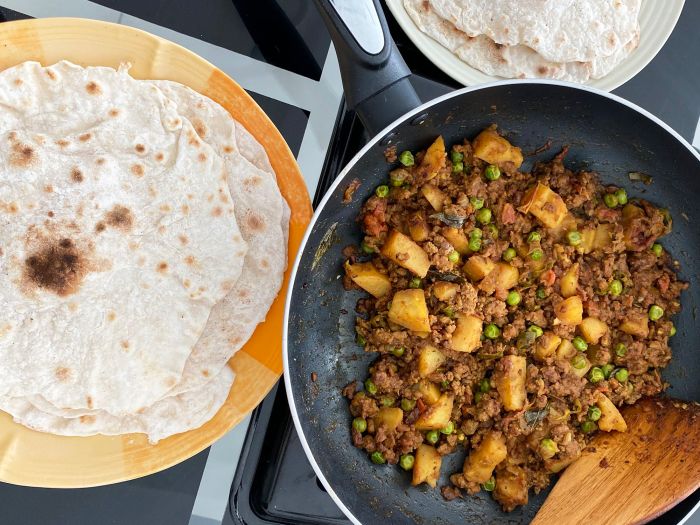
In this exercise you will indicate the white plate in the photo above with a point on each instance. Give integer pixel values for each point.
(657, 19)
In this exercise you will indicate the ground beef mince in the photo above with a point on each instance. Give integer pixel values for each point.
(511, 314)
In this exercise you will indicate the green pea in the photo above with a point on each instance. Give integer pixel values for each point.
(382, 191)
(534, 236)
(622, 375)
(457, 167)
(672, 331)
(595, 375)
(621, 195)
(610, 200)
(366, 248)
(456, 156)
(398, 351)
(478, 396)
(397, 178)
(453, 257)
(377, 458)
(370, 387)
(415, 282)
(474, 244)
(361, 340)
(536, 254)
(489, 485)
(444, 384)
(492, 172)
(657, 249)
(655, 312)
(541, 293)
(476, 202)
(549, 447)
(449, 428)
(406, 158)
(432, 437)
(449, 311)
(359, 424)
(588, 427)
(620, 349)
(492, 230)
(574, 238)
(579, 361)
(607, 370)
(580, 343)
(535, 330)
(408, 404)
(483, 216)
(509, 254)
(491, 331)
(476, 233)
(484, 385)
(513, 298)
(406, 461)
(594, 413)
(615, 288)
(388, 401)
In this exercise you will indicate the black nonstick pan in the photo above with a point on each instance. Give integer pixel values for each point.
(605, 133)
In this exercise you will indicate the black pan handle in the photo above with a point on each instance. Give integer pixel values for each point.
(375, 76)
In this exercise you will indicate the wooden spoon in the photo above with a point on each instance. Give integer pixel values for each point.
(632, 477)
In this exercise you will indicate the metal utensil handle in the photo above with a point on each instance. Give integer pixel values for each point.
(375, 76)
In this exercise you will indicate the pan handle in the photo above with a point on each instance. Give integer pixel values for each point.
(375, 76)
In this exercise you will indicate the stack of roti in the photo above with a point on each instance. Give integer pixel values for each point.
(142, 239)
(573, 40)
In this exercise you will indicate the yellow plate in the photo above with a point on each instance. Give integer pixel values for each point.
(44, 460)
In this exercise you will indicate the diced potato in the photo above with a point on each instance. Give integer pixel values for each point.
(583, 370)
(457, 239)
(467, 334)
(438, 415)
(592, 329)
(429, 391)
(557, 465)
(565, 350)
(404, 252)
(602, 237)
(637, 324)
(479, 465)
(434, 159)
(367, 277)
(477, 267)
(511, 487)
(434, 196)
(490, 147)
(502, 277)
(409, 310)
(546, 345)
(544, 204)
(426, 467)
(418, 227)
(570, 311)
(610, 417)
(445, 291)
(389, 416)
(430, 359)
(510, 382)
(569, 281)
(587, 240)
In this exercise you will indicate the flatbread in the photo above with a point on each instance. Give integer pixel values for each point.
(516, 61)
(559, 30)
(119, 237)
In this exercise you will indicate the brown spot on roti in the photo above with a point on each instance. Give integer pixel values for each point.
(228, 149)
(93, 88)
(100, 227)
(22, 155)
(199, 127)
(137, 169)
(140, 148)
(165, 208)
(87, 419)
(58, 266)
(48, 188)
(62, 373)
(88, 401)
(183, 239)
(160, 156)
(125, 344)
(264, 263)
(76, 175)
(50, 213)
(50, 74)
(111, 316)
(100, 161)
(216, 212)
(202, 157)
(85, 137)
(255, 222)
(114, 112)
(190, 260)
(185, 209)
(162, 267)
(73, 307)
(235, 340)
(62, 143)
(205, 373)
(186, 283)
(18, 82)
(120, 218)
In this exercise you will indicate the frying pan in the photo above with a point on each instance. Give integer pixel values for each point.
(606, 134)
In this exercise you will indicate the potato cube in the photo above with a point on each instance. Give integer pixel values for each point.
(389, 416)
(467, 334)
(569, 281)
(438, 414)
(426, 467)
(479, 465)
(409, 310)
(444, 291)
(434, 159)
(429, 391)
(490, 147)
(544, 204)
(367, 277)
(565, 350)
(510, 378)
(457, 239)
(637, 324)
(434, 196)
(477, 267)
(570, 311)
(430, 360)
(418, 227)
(511, 487)
(404, 252)
(610, 418)
(592, 329)
(546, 345)
(587, 240)
(602, 237)
(557, 465)
(502, 277)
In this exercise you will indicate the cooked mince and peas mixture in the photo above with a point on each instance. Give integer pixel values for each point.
(511, 313)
